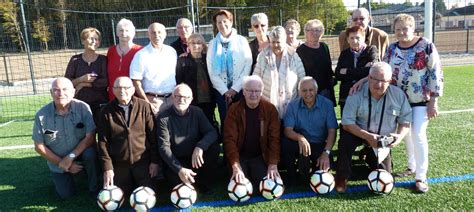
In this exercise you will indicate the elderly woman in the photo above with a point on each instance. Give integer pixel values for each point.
(192, 70)
(88, 72)
(259, 22)
(417, 71)
(229, 59)
(120, 56)
(280, 68)
(316, 58)
(293, 30)
(354, 62)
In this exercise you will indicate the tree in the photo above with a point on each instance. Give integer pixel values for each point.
(41, 32)
(10, 24)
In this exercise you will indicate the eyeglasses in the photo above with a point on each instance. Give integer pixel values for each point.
(358, 19)
(253, 91)
(183, 97)
(313, 30)
(261, 25)
(379, 80)
(123, 87)
(195, 43)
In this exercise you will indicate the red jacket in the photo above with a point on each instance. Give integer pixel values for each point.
(234, 132)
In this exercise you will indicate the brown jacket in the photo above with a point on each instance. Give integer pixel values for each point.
(127, 143)
(234, 132)
(373, 36)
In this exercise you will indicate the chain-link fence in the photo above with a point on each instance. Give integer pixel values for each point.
(25, 76)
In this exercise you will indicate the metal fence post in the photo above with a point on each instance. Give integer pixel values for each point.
(6, 69)
(467, 41)
(113, 31)
(27, 46)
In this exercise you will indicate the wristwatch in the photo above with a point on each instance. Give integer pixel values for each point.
(72, 155)
(327, 151)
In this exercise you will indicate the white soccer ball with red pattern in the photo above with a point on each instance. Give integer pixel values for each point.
(322, 182)
(380, 181)
(110, 199)
(271, 189)
(183, 196)
(142, 199)
(240, 192)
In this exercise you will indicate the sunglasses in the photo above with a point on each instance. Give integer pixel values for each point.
(261, 25)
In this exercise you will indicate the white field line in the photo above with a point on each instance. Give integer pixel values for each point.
(7, 123)
(32, 146)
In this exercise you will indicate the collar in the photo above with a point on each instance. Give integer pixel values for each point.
(71, 108)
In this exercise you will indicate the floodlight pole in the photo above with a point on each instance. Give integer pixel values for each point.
(192, 13)
(428, 33)
(27, 47)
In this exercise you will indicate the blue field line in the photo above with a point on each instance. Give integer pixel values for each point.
(296, 195)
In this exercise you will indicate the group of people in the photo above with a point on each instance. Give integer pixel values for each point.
(142, 113)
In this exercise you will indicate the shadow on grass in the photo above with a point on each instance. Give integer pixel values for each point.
(25, 184)
(16, 136)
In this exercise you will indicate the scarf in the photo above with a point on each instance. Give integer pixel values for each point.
(280, 91)
(223, 60)
(356, 54)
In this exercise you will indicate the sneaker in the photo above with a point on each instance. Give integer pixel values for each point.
(406, 173)
(421, 186)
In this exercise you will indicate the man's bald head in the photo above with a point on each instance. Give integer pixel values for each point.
(62, 91)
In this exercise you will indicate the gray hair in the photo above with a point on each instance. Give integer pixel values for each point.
(305, 79)
(317, 22)
(404, 18)
(362, 11)
(258, 17)
(183, 19)
(381, 67)
(184, 86)
(293, 21)
(125, 22)
(252, 78)
(277, 33)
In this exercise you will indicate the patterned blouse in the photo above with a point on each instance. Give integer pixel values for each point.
(416, 70)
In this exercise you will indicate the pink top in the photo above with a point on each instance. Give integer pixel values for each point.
(118, 66)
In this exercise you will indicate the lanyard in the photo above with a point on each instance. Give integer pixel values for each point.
(370, 113)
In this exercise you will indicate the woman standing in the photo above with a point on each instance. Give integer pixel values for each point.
(281, 69)
(120, 56)
(192, 70)
(259, 22)
(88, 72)
(229, 59)
(316, 59)
(417, 71)
(354, 62)
(293, 30)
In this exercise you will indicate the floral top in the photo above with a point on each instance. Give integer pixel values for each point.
(416, 70)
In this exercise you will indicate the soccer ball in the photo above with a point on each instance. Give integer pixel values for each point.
(380, 181)
(240, 192)
(142, 199)
(110, 199)
(183, 196)
(321, 182)
(271, 189)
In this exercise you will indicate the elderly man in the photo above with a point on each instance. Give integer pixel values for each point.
(187, 142)
(310, 126)
(64, 134)
(378, 109)
(153, 69)
(373, 36)
(184, 28)
(127, 140)
(252, 135)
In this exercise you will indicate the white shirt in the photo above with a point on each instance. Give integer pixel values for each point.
(155, 68)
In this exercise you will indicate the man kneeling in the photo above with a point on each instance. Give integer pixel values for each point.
(377, 109)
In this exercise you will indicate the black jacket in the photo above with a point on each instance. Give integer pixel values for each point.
(353, 74)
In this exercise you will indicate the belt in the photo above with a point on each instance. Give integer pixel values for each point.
(159, 95)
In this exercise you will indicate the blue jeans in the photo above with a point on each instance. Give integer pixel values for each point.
(64, 182)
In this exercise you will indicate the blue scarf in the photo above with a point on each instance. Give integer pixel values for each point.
(223, 60)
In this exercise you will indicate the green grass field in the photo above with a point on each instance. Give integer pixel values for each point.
(25, 182)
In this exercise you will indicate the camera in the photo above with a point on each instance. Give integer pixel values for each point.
(384, 141)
